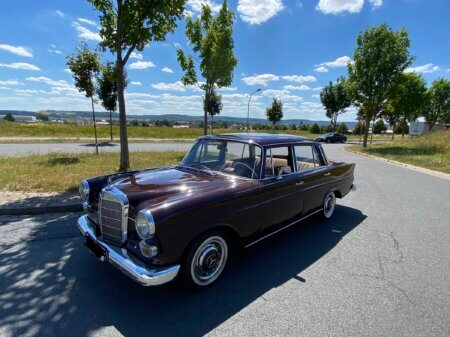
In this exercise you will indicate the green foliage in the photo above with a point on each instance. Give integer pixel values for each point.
(342, 128)
(304, 127)
(212, 42)
(439, 107)
(293, 127)
(134, 122)
(358, 129)
(41, 116)
(274, 113)
(107, 87)
(315, 128)
(328, 128)
(215, 104)
(85, 66)
(380, 58)
(402, 128)
(336, 99)
(379, 127)
(10, 118)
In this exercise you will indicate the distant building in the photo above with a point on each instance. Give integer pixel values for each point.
(184, 126)
(103, 122)
(421, 128)
(25, 119)
(79, 121)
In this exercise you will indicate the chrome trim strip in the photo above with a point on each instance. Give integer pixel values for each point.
(283, 228)
(127, 264)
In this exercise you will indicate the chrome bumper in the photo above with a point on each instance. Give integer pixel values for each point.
(128, 264)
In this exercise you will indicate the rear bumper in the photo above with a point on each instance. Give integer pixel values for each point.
(128, 264)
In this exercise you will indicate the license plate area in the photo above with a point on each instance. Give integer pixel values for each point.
(94, 248)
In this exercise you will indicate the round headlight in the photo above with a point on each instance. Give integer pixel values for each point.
(145, 225)
(84, 190)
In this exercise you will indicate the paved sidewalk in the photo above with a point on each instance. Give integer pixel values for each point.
(20, 203)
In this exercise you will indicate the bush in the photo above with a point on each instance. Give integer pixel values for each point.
(315, 128)
(342, 128)
(293, 127)
(10, 118)
(379, 127)
(304, 127)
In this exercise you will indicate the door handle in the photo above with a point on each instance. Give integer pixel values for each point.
(298, 183)
(327, 174)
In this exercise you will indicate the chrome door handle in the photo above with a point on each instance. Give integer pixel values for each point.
(298, 183)
(327, 174)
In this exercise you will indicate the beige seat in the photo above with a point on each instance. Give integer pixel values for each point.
(303, 165)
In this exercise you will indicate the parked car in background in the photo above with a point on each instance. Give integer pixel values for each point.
(229, 190)
(332, 137)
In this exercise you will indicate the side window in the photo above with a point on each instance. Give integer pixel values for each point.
(306, 157)
(278, 159)
(208, 152)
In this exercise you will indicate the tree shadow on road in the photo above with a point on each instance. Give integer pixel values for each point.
(51, 286)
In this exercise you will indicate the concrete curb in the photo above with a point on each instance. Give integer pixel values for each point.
(407, 166)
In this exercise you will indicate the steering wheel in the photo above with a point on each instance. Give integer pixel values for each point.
(247, 168)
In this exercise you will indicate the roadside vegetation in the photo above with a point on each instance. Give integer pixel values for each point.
(431, 151)
(63, 172)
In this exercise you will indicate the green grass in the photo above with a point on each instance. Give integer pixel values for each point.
(430, 151)
(63, 172)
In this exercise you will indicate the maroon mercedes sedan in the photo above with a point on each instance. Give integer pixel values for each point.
(183, 221)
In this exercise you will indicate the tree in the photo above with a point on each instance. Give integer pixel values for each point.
(380, 58)
(107, 90)
(315, 128)
(214, 108)
(342, 128)
(304, 127)
(41, 116)
(408, 100)
(85, 66)
(335, 99)
(129, 25)
(212, 43)
(274, 113)
(439, 108)
(379, 127)
(10, 118)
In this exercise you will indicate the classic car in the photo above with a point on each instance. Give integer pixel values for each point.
(332, 137)
(230, 190)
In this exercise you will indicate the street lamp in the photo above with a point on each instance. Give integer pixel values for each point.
(248, 108)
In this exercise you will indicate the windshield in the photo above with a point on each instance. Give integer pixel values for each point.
(231, 157)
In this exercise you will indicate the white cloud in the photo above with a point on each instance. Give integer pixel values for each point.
(262, 79)
(339, 62)
(85, 33)
(10, 82)
(425, 69)
(321, 69)
(135, 83)
(228, 89)
(141, 65)
(195, 6)
(167, 70)
(20, 65)
(317, 88)
(176, 86)
(137, 56)
(299, 78)
(60, 14)
(294, 87)
(376, 3)
(256, 12)
(87, 22)
(48, 81)
(315, 96)
(177, 45)
(140, 95)
(4, 88)
(54, 51)
(339, 6)
(18, 50)
(283, 95)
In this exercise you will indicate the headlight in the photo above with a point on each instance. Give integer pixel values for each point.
(84, 190)
(145, 224)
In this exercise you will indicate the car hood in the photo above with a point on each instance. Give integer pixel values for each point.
(160, 184)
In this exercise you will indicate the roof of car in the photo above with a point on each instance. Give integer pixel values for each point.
(264, 139)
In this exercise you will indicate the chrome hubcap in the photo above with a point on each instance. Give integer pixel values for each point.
(209, 260)
(329, 204)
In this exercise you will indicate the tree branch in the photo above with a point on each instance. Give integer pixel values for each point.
(127, 56)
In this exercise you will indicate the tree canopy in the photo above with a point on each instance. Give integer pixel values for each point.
(439, 107)
(212, 43)
(274, 113)
(335, 99)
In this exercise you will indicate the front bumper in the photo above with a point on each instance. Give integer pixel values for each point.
(128, 264)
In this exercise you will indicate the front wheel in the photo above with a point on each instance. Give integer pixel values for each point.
(205, 260)
(329, 205)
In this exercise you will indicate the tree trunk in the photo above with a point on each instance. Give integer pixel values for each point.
(124, 154)
(212, 124)
(393, 131)
(205, 111)
(373, 129)
(366, 131)
(110, 125)
(95, 125)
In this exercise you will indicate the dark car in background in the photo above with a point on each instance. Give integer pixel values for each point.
(332, 137)
(230, 190)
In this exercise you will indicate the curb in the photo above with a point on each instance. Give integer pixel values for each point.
(423, 170)
(41, 210)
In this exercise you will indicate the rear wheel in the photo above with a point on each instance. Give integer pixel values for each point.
(329, 205)
(205, 260)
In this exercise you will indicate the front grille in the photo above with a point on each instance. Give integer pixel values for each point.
(113, 215)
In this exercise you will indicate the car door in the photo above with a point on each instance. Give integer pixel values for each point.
(280, 194)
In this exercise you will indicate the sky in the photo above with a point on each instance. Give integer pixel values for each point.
(288, 48)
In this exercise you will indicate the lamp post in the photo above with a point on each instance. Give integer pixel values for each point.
(248, 108)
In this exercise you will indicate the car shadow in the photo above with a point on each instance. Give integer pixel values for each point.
(51, 286)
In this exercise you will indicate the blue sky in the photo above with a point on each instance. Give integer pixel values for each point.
(288, 48)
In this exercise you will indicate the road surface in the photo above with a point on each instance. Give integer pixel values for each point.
(380, 267)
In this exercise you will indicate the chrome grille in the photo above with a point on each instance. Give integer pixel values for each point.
(113, 215)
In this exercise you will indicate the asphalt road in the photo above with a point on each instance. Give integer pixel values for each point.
(22, 149)
(380, 267)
